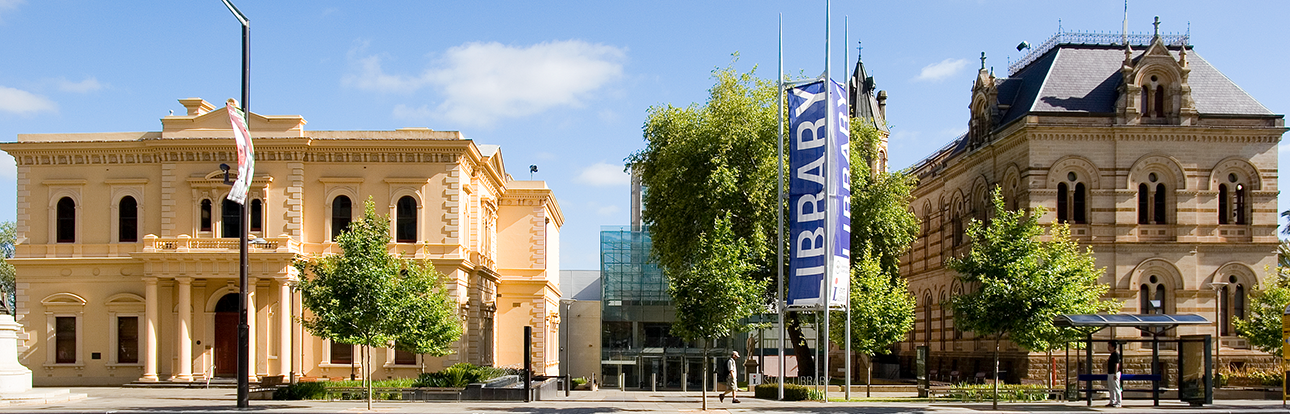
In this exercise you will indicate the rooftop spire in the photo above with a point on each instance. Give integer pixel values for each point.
(1157, 25)
(982, 60)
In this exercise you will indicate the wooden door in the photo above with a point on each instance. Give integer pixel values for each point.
(226, 344)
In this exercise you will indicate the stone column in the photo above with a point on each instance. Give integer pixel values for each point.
(185, 330)
(14, 377)
(251, 325)
(150, 330)
(284, 327)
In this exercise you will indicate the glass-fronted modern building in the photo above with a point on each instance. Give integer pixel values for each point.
(637, 315)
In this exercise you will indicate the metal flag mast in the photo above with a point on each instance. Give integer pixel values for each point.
(243, 328)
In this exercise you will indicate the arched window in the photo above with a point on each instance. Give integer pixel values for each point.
(128, 220)
(66, 232)
(927, 320)
(1078, 204)
(944, 305)
(1062, 211)
(257, 215)
(230, 219)
(406, 222)
(1144, 204)
(1238, 205)
(340, 216)
(1222, 204)
(206, 216)
(1238, 302)
(1224, 303)
(1158, 109)
(1158, 205)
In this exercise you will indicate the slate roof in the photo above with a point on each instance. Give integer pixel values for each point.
(1084, 78)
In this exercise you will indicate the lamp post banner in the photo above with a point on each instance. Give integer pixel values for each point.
(819, 193)
(245, 156)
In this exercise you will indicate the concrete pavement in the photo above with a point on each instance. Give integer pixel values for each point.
(157, 400)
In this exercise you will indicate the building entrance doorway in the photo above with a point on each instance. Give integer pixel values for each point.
(226, 318)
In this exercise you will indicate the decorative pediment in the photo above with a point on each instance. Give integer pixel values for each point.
(1154, 88)
(984, 107)
(203, 120)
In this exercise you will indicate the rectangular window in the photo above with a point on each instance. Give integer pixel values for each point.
(402, 357)
(127, 340)
(342, 353)
(65, 340)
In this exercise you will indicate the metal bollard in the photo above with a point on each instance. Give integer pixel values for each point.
(685, 382)
(622, 381)
(653, 382)
(714, 382)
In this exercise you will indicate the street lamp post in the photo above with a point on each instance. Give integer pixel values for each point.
(1218, 321)
(243, 328)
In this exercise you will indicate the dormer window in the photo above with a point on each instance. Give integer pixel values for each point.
(1153, 98)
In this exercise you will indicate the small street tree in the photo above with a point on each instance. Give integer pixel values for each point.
(367, 297)
(714, 293)
(1022, 282)
(1267, 305)
(882, 312)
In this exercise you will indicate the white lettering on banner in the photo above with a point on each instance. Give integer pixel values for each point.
(807, 271)
(807, 246)
(815, 202)
(804, 172)
(811, 99)
(811, 129)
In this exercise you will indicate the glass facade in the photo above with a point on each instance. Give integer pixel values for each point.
(637, 315)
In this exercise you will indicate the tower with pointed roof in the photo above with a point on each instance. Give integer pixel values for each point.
(869, 105)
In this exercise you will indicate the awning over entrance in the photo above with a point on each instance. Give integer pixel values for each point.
(1127, 320)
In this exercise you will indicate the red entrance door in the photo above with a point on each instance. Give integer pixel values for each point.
(226, 336)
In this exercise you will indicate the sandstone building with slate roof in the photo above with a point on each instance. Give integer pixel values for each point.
(127, 256)
(1159, 163)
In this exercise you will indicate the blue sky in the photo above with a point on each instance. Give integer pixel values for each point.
(563, 85)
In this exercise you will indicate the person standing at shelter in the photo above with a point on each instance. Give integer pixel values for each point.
(1113, 365)
(732, 378)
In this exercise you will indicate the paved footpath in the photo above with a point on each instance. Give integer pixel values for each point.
(157, 400)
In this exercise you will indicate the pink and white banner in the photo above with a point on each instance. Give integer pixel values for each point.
(245, 155)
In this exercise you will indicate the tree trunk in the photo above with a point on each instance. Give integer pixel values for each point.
(805, 360)
(704, 394)
(995, 404)
(868, 379)
(367, 363)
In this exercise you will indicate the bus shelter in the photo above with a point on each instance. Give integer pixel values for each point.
(1195, 382)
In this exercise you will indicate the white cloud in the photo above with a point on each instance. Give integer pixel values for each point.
(1283, 148)
(607, 210)
(484, 82)
(24, 103)
(6, 5)
(602, 174)
(90, 84)
(938, 71)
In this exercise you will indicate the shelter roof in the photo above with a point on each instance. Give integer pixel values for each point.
(1128, 320)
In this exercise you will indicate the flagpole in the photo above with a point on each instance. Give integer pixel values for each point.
(243, 328)
(779, 208)
(828, 218)
(846, 342)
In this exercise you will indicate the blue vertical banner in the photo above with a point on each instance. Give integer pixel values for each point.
(819, 194)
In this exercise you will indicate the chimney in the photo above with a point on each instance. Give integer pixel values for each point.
(196, 106)
(882, 104)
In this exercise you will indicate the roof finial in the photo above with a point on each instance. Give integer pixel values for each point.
(859, 49)
(982, 60)
(1157, 25)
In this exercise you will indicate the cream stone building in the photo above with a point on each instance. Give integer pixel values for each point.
(130, 272)
(1159, 163)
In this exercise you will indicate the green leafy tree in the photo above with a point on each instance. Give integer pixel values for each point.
(1267, 305)
(715, 292)
(1022, 282)
(364, 296)
(8, 245)
(882, 312)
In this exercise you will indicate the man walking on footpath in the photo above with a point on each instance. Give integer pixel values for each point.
(1113, 375)
(732, 378)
